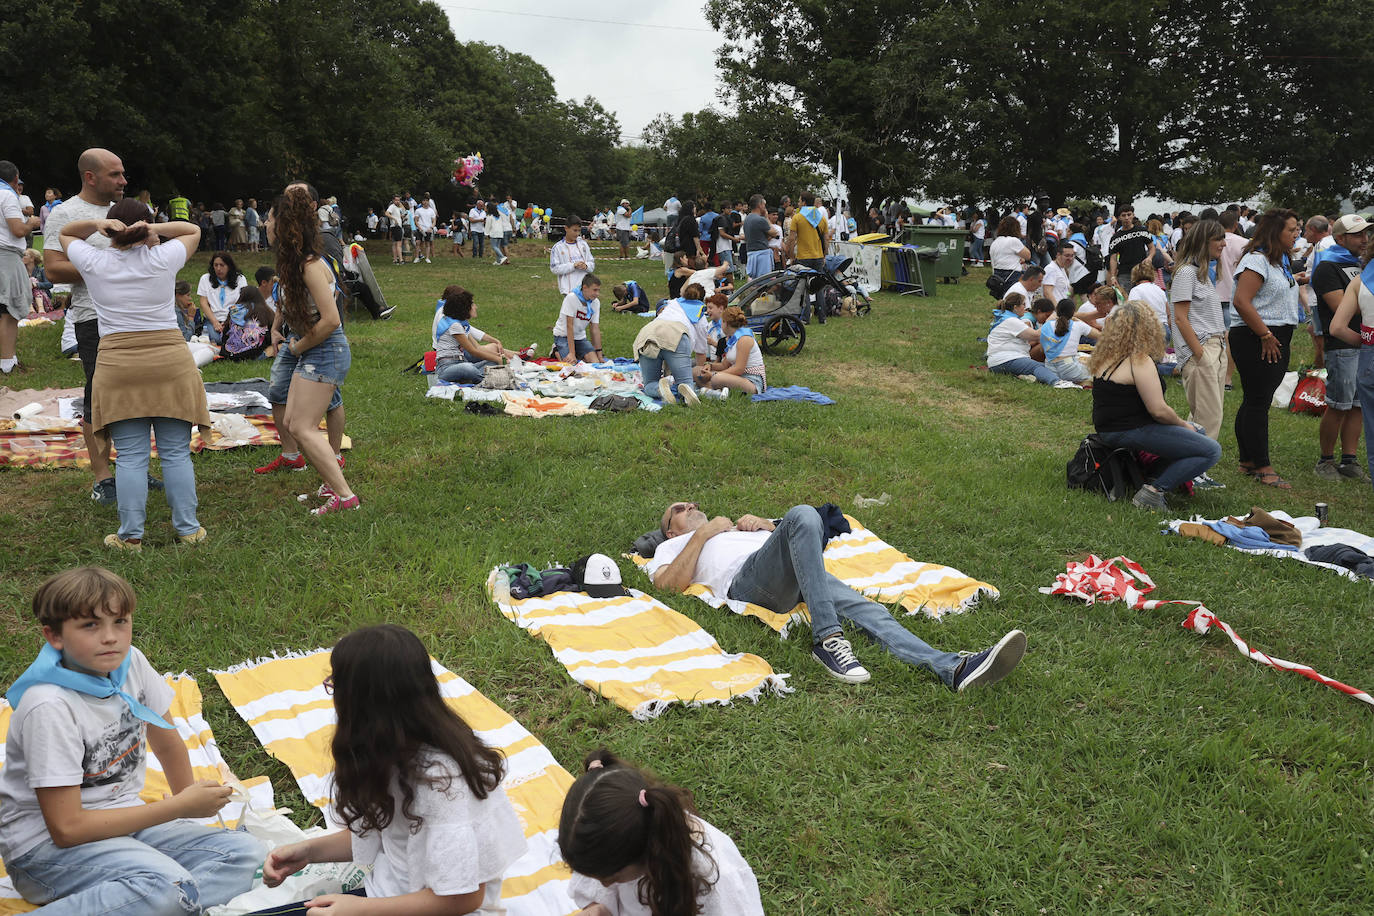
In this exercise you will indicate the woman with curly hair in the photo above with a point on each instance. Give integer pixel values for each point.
(1264, 312)
(638, 847)
(314, 339)
(1129, 410)
(419, 794)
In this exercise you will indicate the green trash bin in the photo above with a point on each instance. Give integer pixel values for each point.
(948, 242)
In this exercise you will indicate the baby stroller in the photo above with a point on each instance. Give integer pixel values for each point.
(831, 286)
(776, 305)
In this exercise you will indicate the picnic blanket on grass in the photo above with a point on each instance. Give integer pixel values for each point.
(283, 700)
(206, 762)
(1095, 580)
(1313, 535)
(63, 447)
(639, 653)
(876, 569)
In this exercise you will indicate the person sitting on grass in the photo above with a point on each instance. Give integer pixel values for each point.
(1129, 410)
(1102, 298)
(190, 321)
(637, 847)
(247, 327)
(668, 346)
(777, 567)
(578, 320)
(630, 297)
(419, 794)
(711, 278)
(1059, 339)
(266, 279)
(74, 831)
(463, 353)
(739, 360)
(1011, 340)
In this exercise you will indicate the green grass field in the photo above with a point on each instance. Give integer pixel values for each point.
(1126, 766)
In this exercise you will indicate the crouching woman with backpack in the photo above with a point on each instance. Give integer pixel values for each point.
(1129, 410)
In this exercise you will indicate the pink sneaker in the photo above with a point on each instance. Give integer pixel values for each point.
(335, 504)
(325, 491)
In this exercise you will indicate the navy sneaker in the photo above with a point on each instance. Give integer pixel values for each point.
(990, 665)
(835, 653)
(155, 484)
(103, 493)
(1204, 481)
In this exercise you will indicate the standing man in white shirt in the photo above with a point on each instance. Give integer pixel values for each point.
(426, 217)
(102, 184)
(16, 292)
(622, 228)
(477, 225)
(570, 258)
(1102, 239)
(396, 218)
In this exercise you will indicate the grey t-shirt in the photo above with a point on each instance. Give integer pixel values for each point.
(756, 232)
(73, 210)
(1204, 308)
(448, 347)
(59, 737)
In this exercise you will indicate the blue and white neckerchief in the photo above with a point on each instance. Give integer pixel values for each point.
(734, 338)
(10, 188)
(696, 310)
(715, 328)
(1001, 315)
(1337, 254)
(589, 303)
(47, 668)
(1054, 344)
(812, 216)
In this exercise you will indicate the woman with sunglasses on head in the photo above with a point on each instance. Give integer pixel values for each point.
(1263, 315)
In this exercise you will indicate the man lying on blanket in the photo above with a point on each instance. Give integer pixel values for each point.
(751, 560)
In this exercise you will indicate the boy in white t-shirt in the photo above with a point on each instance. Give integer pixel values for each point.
(578, 319)
(73, 828)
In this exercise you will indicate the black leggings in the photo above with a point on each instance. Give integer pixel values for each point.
(1258, 380)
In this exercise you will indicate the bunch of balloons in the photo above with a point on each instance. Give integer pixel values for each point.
(466, 170)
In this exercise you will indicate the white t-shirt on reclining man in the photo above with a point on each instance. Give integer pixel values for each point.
(720, 559)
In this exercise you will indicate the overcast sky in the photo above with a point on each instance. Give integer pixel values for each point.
(606, 49)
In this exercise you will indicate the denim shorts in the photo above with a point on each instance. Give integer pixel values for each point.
(757, 380)
(1342, 376)
(288, 364)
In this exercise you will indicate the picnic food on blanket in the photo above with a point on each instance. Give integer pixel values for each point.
(639, 653)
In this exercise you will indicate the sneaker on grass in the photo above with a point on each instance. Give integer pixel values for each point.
(1327, 469)
(1147, 497)
(991, 665)
(282, 463)
(835, 653)
(335, 504)
(1352, 470)
(116, 542)
(195, 537)
(1204, 481)
(103, 493)
(665, 389)
(716, 394)
(689, 395)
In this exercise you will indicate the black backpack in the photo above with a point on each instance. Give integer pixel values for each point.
(1099, 468)
(670, 244)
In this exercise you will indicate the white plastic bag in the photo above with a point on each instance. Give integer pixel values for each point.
(275, 829)
(1284, 395)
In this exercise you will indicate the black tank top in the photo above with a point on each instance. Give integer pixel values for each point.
(675, 286)
(1117, 406)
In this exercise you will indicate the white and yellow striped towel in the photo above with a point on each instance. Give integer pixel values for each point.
(639, 653)
(185, 714)
(873, 567)
(284, 701)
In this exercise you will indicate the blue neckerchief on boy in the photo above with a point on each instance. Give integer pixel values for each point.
(591, 304)
(1079, 238)
(812, 216)
(1336, 254)
(693, 309)
(48, 669)
(1054, 345)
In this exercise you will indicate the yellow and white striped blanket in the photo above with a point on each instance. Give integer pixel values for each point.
(206, 761)
(873, 567)
(639, 653)
(283, 700)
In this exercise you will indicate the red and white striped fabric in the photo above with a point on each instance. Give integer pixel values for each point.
(1122, 579)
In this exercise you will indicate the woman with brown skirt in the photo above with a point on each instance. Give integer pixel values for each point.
(148, 380)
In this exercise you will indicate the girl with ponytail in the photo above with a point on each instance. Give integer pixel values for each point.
(1060, 340)
(637, 848)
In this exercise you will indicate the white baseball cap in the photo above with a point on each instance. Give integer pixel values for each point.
(599, 576)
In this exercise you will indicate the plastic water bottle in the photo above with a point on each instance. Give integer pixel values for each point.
(500, 590)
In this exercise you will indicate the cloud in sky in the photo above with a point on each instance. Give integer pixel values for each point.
(637, 58)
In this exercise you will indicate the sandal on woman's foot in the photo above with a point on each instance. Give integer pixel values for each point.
(1247, 471)
(1272, 479)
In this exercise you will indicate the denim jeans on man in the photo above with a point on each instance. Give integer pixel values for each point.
(1189, 452)
(678, 363)
(788, 568)
(171, 869)
(130, 438)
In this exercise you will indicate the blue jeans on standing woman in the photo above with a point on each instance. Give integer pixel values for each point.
(1188, 451)
(130, 438)
(167, 870)
(498, 246)
(678, 364)
(789, 568)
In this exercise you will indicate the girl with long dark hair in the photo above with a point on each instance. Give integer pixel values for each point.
(418, 792)
(315, 339)
(1264, 312)
(637, 847)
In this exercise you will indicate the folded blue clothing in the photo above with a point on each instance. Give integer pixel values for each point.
(1248, 538)
(792, 393)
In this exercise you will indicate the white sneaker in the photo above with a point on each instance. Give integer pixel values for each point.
(1064, 383)
(716, 394)
(665, 389)
(1027, 378)
(428, 261)
(689, 395)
